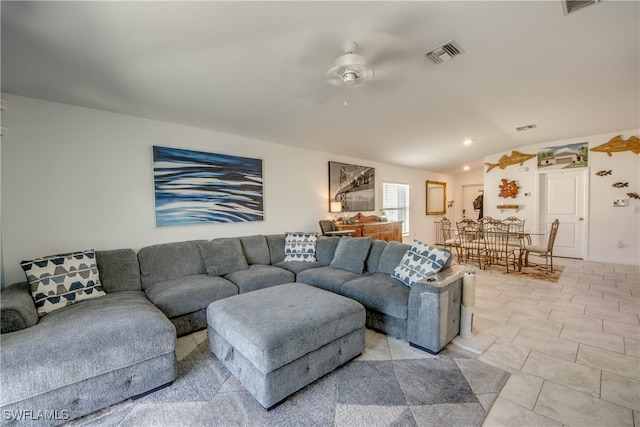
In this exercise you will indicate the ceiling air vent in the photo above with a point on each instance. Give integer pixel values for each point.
(569, 6)
(444, 52)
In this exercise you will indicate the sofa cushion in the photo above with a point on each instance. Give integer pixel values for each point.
(119, 270)
(17, 310)
(168, 261)
(189, 294)
(391, 257)
(60, 280)
(223, 256)
(327, 278)
(420, 261)
(256, 249)
(326, 248)
(260, 276)
(351, 254)
(276, 247)
(300, 247)
(82, 341)
(297, 267)
(380, 292)
(377, 246)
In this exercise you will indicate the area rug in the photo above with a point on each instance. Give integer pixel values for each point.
(537, 272)
(447, 390)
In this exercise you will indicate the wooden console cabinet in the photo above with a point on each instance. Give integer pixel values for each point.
(387, 231)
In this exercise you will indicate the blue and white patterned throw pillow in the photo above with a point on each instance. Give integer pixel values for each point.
(300, 247)
(420, 261)
(60, 280)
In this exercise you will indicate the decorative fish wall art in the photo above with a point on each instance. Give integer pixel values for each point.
(633, 195)
(603, 173)
(617, 145)
(515, 158)
(620, 184)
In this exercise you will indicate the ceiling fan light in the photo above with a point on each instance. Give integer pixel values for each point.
(349, 77)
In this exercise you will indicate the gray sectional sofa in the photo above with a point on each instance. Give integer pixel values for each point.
(97, 352)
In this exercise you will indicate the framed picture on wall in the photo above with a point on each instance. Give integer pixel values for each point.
(353, 186)
(197, 187)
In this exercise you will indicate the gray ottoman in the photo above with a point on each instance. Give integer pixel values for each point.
(277, 340)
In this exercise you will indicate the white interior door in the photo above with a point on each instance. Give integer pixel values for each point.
(563, 196)
(469, 194)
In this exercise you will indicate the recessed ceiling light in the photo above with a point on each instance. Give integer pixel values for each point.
(466, 167)
(468, 141)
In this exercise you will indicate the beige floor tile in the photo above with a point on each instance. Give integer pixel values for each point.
(577, 409)
(200, 336)
(578, 377)
(402, 350)
(558, 347)
(621, 391)
(586, 276)
(529, 309)
(620, 294)
(630, 307)
(185, 345)
(491, 301)
(376, 346)
(619, 364)
(507, 414)
(520, 298)
(490, 313)
(497, 329)
(622, 329)
(531, 323)
(557, 304)
(517, 287)
(586, 322)
(580, 298)
(522, 389)
(631, 347)
(507, 354)
(593, 338)
(554, 291)
(610, 314)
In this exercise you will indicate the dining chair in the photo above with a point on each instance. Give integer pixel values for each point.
(516, 231)
(448, 235)
(497, 250)
(326, 226)
(470, 242)
(545, 251)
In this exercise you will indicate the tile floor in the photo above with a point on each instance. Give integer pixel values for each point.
(572, 347)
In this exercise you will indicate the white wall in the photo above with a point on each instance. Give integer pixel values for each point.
(75, 178)
(471, 177)
(606, 225)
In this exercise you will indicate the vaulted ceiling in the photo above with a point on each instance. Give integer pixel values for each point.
(257, 69)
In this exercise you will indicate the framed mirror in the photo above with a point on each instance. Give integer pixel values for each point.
(436, 198)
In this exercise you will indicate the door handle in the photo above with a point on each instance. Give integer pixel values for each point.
(580, 219)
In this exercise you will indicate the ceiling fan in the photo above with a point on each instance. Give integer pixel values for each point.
(350, 69)
(373, 61)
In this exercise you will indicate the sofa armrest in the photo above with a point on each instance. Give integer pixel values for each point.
(434, 309)
(17, 310)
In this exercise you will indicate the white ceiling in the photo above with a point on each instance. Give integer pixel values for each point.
(257, 69)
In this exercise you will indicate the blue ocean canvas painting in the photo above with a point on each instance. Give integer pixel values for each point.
(196, 187)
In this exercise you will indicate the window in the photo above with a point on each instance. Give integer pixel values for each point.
(396, 203)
